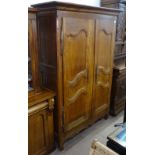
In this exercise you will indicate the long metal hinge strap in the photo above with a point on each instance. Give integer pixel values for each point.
(62, 38)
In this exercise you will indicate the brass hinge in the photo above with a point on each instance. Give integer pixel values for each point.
(61, 38)
(96, 73)
(87, 75)
(63, 118)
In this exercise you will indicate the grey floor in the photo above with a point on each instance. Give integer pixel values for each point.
(80, 144)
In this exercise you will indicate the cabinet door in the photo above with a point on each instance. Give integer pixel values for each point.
(77, 75)
(104, 47)
(40, 130)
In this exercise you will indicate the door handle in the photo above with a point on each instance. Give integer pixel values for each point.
(51, 104)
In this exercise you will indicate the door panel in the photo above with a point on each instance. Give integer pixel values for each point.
(104, 46)
(37, 139)
(77, 70)
(40, 129)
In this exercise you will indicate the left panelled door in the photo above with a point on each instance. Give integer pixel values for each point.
(77, 70)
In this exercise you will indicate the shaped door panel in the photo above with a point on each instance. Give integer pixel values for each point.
(104, 47)
(77, 48)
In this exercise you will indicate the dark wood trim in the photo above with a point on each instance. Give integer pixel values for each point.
(75, 7)
(33, 10)
(104, 2)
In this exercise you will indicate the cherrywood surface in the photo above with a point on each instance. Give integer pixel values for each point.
(76, 45)
(77, 77)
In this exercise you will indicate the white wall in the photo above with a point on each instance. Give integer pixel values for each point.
(85, 2)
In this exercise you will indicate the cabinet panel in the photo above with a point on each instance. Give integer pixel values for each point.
(37, 133)
(77, 65)
(40, 130)
(104, 47)
(120, 88)
(118, 93)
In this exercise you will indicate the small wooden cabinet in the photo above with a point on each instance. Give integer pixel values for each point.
(118, 94)
(40, 101)
(76, 59)
(40, 123)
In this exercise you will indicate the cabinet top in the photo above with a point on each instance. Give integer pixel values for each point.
(54, 5)
(41, 96)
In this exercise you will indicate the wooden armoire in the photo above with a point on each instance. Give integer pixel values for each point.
(118, 94)
(76, 45)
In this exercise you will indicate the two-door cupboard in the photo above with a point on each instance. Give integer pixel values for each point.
(76, 45)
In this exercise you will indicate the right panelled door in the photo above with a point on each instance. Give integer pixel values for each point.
(104, 48)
